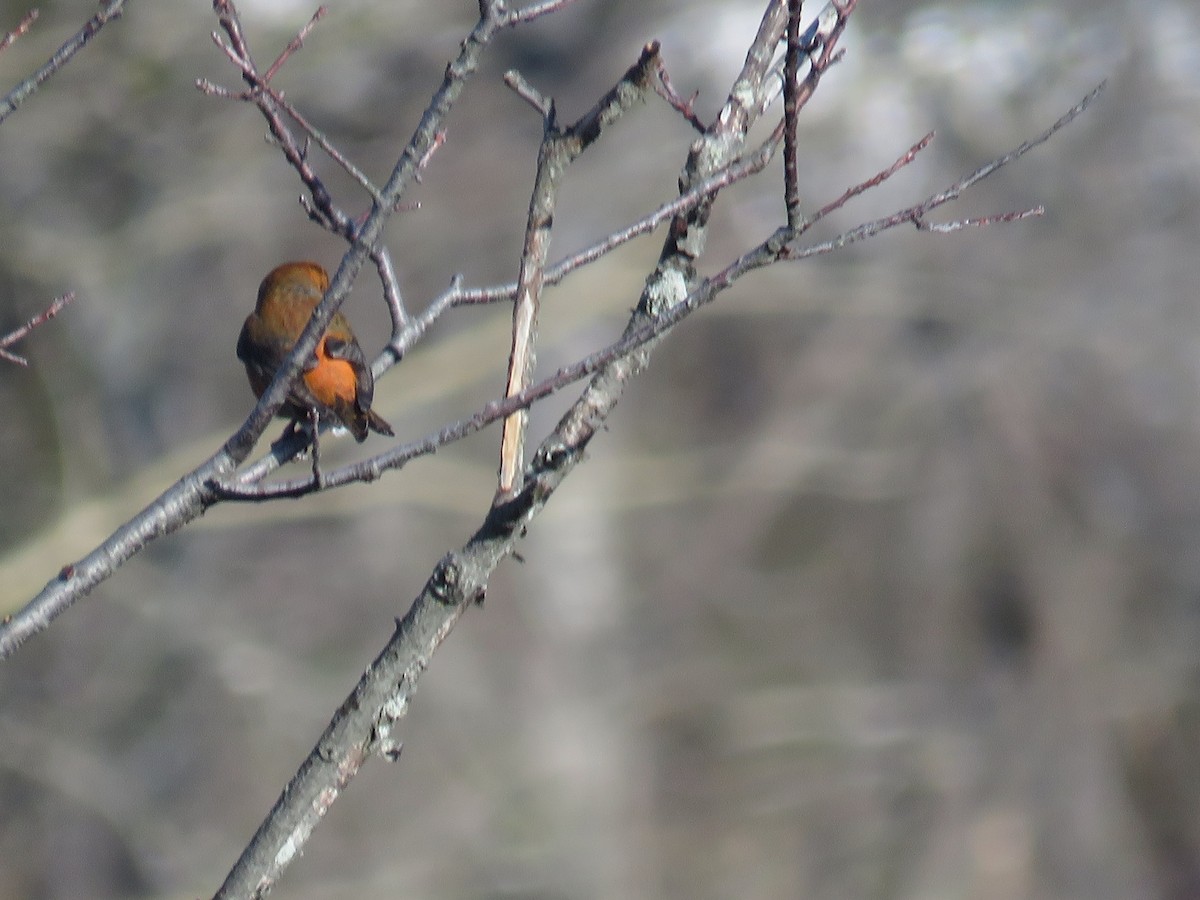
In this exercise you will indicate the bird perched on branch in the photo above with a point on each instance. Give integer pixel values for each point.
(336, 382)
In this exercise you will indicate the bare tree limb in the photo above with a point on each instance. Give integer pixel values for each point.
(791, 110)
(916, 213)
(736, 171)
(6, 341)
(23, 26)
(366, 722)
(193, 493)
(23, 91)
(209, 482)
(774, 248)
(558, 150)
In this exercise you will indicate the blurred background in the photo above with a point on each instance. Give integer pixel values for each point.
(882, 583)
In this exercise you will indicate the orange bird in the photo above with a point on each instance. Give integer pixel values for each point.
(336, 383)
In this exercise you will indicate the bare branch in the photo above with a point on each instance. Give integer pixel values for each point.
(959, 225)
(543, 106)
(534, 11)
(439, 139)
(192, 494)
(685, 108)
(987, 169)
(22, 27)
(295, 44)
(774, 248)
(874, 181)
(324, 143)
(6, 341)
(391, 294)
(371, 469)
(271, 105)
(736, 171)
(364, 724)
(110, 10)
(917, 213)
(558, 150)
(791, 109)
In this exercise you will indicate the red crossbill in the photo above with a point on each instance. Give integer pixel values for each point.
(336, 383)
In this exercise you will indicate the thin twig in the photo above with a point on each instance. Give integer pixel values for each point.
(294, 44)
(686, 108)
(271, 104)
(324, 143)
(862, 187)
(391, 293)
(791, 109)
(541, 104)
(45, 315)
(23, 26)
(533, 11)
(439, 140)
(981, 221)
(320, 208)
(737, 171)
(916, 214)
(18, 95)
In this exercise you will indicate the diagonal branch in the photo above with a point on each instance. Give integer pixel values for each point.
(558, 150)
(23, 26)
(193, 493)
(916, 214)
(23, 91)
(777, 246)
(6, 341)
(366, 723)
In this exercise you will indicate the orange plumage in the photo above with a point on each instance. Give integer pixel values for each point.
(337, 381)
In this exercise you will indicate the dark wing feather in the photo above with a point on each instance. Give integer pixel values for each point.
(263, 353)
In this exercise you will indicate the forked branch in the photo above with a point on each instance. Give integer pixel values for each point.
(6, 341)
(367, 722)
(23, 91)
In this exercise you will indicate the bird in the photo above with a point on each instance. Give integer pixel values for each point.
(336, 383)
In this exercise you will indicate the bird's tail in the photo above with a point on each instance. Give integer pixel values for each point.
(376, 423)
